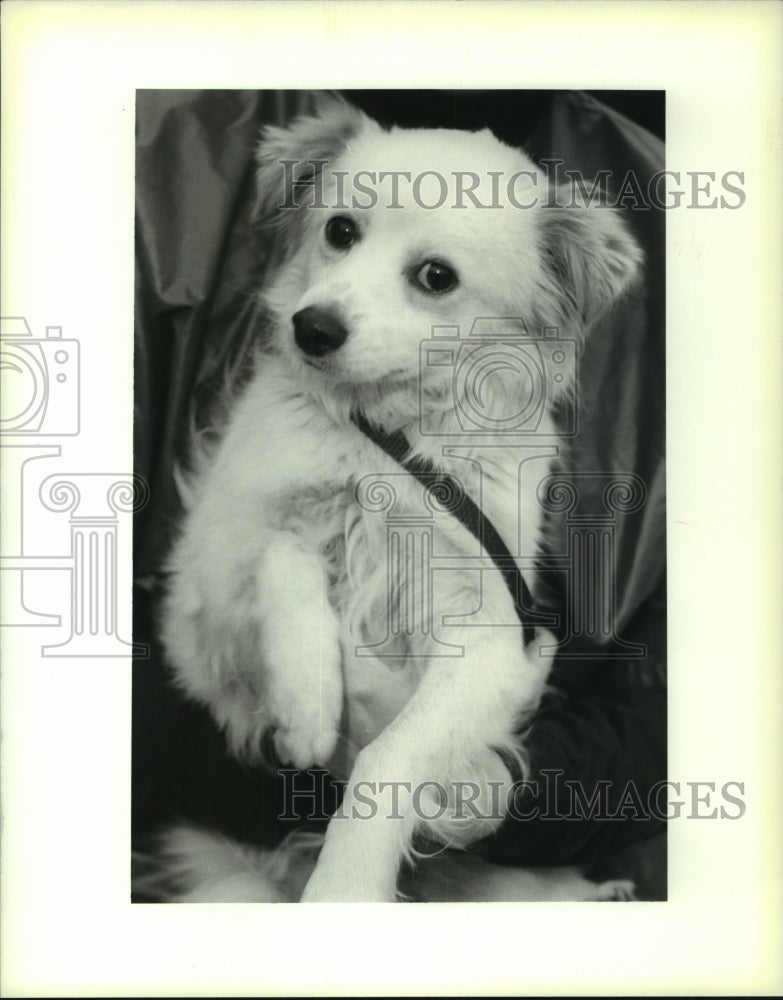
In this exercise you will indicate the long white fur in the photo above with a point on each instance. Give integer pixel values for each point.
(279, 573)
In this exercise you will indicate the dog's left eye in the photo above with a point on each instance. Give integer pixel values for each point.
(435, 277)
(341, 232)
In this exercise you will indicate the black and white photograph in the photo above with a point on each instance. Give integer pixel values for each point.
(391, 466)
(400, 401)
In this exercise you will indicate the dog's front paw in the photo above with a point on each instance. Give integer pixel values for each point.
(305, 698)
(305, 741)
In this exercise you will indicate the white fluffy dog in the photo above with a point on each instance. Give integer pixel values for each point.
(282, 603)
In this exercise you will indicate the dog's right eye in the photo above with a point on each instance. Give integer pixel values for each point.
(341, 232)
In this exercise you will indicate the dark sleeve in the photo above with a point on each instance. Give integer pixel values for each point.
(597, 767)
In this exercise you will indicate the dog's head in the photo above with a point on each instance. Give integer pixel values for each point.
(388, 235)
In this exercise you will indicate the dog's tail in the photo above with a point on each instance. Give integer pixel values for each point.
(191, 865)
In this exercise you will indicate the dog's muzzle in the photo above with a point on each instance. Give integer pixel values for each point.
(317, 331)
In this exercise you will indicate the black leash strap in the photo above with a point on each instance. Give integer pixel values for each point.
(464, 509)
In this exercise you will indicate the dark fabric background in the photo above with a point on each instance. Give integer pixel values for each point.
(198, 265)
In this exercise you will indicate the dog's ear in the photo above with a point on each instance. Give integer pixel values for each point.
(290, 159)
(590, 257)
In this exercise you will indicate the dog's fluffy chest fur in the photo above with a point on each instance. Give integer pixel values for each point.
(286, 466)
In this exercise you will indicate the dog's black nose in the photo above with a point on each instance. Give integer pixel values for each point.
(318, 331)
